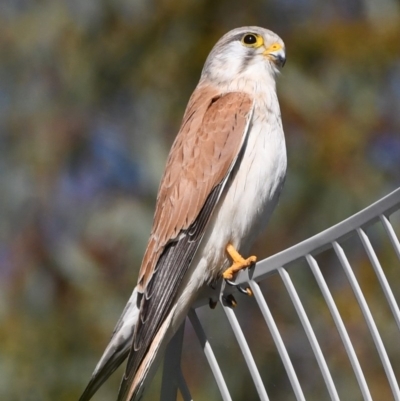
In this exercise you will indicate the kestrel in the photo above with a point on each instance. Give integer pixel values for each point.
(222, 180)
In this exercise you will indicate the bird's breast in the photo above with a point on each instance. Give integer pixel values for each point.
(248, 199)
(257, 182)
(251, 193)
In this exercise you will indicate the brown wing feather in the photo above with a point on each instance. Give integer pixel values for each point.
(199, 159)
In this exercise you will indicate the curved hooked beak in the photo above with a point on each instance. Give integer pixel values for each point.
(276, 53)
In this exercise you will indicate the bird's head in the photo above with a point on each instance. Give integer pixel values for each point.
(249, 53)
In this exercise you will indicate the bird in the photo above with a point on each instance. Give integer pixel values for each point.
(222, 180)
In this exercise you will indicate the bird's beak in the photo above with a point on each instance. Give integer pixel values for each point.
(276, 53)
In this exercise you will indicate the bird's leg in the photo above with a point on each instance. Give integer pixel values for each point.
(239, 263)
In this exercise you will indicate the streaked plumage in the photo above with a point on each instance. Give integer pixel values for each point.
(222, 181)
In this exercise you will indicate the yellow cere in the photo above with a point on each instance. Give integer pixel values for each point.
(273, 48)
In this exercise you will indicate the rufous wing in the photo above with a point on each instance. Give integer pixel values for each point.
(213, 132)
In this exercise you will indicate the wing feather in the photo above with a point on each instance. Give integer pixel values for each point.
(199, 159)
(213, 131)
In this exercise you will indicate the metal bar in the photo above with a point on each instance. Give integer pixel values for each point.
(171, 369)
(255, 374)
(380, 274)
(183, 388)
(391, 234)
(321, 241)
(341, 328)
(278, 340)
(310, 333)
(369, 319)
(212, 361)
(380, 210)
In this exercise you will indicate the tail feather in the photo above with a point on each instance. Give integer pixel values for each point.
(133, 383)
(117, 349)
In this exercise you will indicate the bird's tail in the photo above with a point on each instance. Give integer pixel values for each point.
(135, 382)
(117, 349)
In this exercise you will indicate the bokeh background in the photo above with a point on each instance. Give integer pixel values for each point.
(91, 96)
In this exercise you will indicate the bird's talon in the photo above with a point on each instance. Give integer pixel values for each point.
(229, 282)
(241, 289)
(231, 301)
(212, 304)
(246, 291)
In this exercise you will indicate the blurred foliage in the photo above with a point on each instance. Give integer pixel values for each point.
(91, 97)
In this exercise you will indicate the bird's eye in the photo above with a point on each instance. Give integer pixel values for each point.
(252, 40)
(249, 39)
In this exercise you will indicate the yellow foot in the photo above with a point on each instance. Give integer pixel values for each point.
(239, 263)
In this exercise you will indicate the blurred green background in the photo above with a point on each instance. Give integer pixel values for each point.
(91, 96)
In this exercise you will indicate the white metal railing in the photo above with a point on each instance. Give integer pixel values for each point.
(307, 251)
